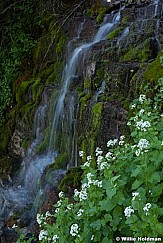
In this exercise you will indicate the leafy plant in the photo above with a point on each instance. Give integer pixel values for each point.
(121, 191)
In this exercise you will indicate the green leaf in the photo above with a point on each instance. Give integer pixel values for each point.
(107, 205)
(119, 198)
(136, 184)
(106, 240)
(154, 178)
(159, 228)
(136, 171)
(96, 225)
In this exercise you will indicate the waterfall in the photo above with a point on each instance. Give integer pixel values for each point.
(22, 191)
(75, 60)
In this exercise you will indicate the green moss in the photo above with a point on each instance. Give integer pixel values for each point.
(42, 147)
(61, 161)
(71, 180)
(101, 14)
(55, 76)
(96, 115)
(154, 70)
(140, 53)
(21, 91)
(61, 44)
(114, 33)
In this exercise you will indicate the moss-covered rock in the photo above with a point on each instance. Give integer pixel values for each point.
(71, 180)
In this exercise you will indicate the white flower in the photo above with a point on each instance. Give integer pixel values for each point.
(128, 123)
(162, 143)
(61, 194)
(146, 208)
(142, 125)
(69, 206)
(89, 158)
(57, 210)
(82, 194)
(97, 183)
(87, 164)
(133, 106)
(74, 229)
(81, 154)
(43, 235)
(55, 238)
(104, 165)
(39, 219)
(137, 152)
(76, 193)
(134, 195)
(112, 142)
(128, 211)
(99, 159)
(121, 142)
(14, 226)
(149, 113)
(109, 155)
(48, 214)
(143, 143)
(142, 98)
(92, 237)
(141, 112)
(80, 212)
(98, 151)
(59, 203)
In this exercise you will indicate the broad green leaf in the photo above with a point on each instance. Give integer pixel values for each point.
(106, 240)
(107, 205)
(154, 178)
(136, 184)
(96, 225)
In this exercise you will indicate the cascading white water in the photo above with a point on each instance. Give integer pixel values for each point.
(70, 71)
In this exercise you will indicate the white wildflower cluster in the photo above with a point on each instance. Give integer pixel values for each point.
(98, 151)
(69, 206)
(81, 154)
(40, 219)
(88, 162)
(141, 112)
(61, 194)
(121, 140)
(74, 229)
(134, 195)
(111, 143)
(82, 194)
(43, 235)
(101, 163)
(142, 98)
(59, 203)
(55, 238)
(128, 211)
(93, 182)
(133, 106)
(143, 125)
(146, 208)
(143, 144)
(80, 212)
